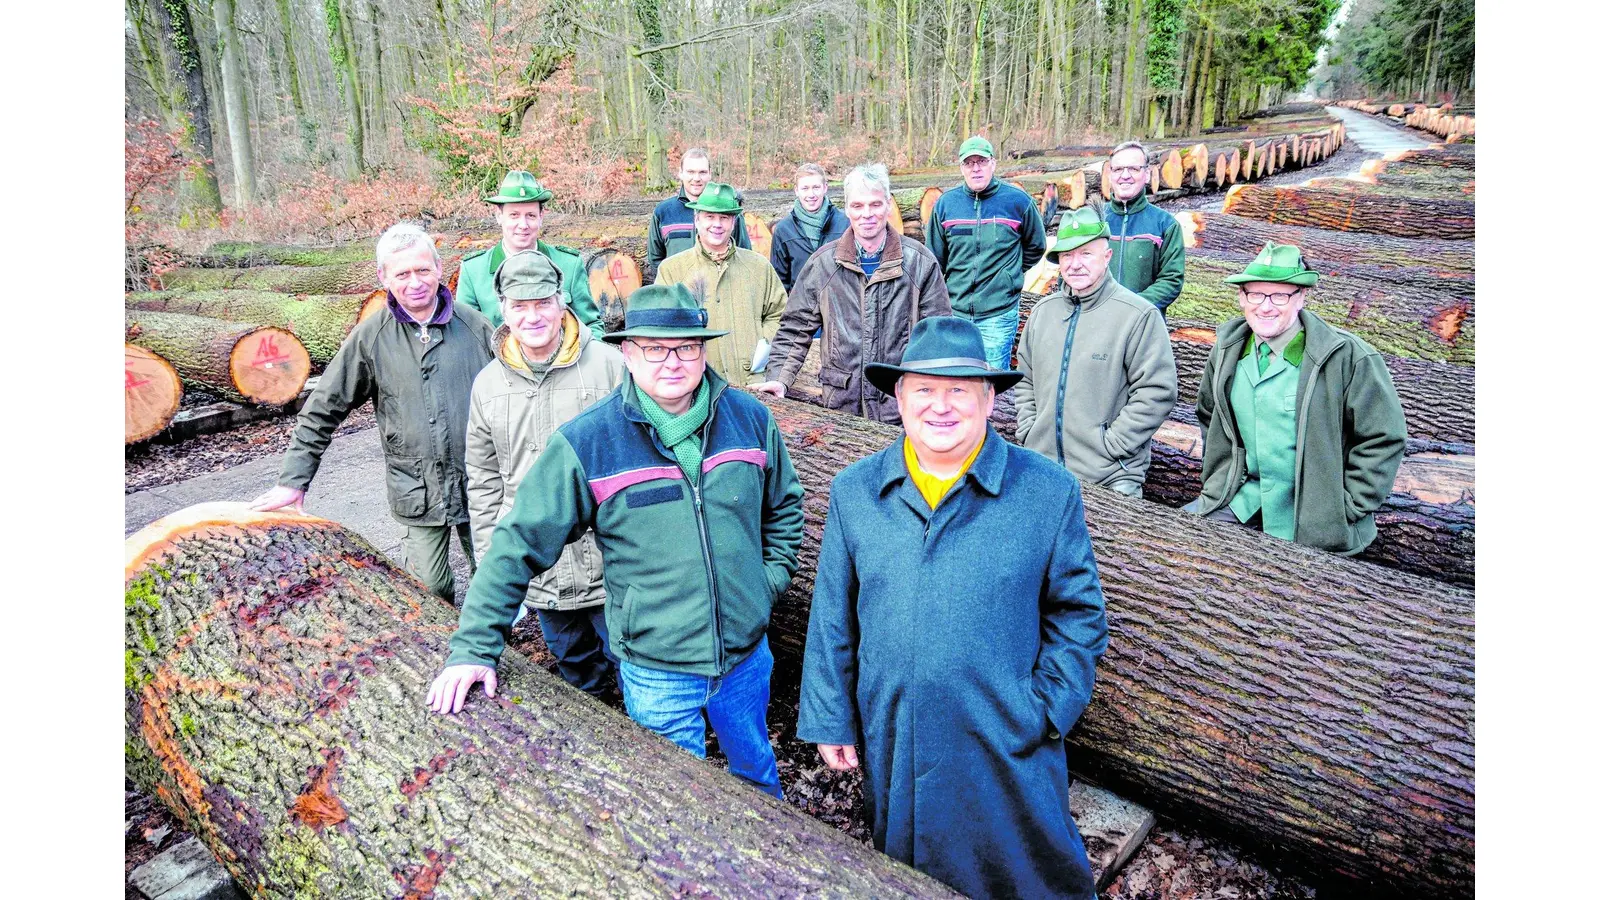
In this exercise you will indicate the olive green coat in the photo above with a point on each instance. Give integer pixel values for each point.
(741, 294)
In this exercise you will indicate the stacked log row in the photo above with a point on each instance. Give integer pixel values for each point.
(238, 254)
(1317, 708)
(1215, 232)
(1401, 311)
(338, 278)
(320, 321)
(239, 361)
(152, 393)
(1354, 210)
(276, 667)
(1443, 120)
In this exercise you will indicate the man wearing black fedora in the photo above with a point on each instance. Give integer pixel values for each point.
(948, 540)
(696, 509)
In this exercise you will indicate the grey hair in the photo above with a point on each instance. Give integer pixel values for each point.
(869, 176)
(695, 153)
(401, 236)
(1132, 145)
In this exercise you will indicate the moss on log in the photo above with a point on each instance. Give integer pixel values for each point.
(342, 278)
(1344, 210)
(320, 321)
(1219, 232)
(241, 361)
(239, 254)
(1317, 708)
(275, 671)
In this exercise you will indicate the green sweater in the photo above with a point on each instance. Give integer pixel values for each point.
(475, 288)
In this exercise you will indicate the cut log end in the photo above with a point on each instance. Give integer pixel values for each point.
(154, 538)
(613, 277)
(897, 221)
(930, 196)
(374, 302)
(760, 234)
(152, 391)
(269, 366)
(1192, 224)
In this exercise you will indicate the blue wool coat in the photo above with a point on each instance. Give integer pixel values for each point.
(956, 648)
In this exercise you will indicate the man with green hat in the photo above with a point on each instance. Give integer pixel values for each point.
(671, 228)
(985, 234)
(547, 370)
(695, 507)
(1303, 429)
(740, 290)
(948, 540)
(1098, 377)
(519, 208)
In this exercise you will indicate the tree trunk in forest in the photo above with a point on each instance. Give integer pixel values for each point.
(1130, 95)
(341, 50)
(1217, 232)
(233, 96)
(1339, 210)
(321, 322)
(276, 667)
(1318, 708)
(970, 87)
(308, 126)
(1438, 397)
(152, 393)
(199, 197)
(241, 361)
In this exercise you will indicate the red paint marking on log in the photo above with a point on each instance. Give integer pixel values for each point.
(268, 352)
(1446, 323)
(420, 881)
(424, 774)
(318, 806)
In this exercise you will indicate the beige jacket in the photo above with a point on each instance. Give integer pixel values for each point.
(742, 295)
(512, 418)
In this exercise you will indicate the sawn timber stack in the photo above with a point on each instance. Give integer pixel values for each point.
(1318, 708)
(276, 671)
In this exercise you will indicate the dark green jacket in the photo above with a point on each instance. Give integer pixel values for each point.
(984, 242)
(421, 396)
(1351, 434)
(475, 288)
(691, 573)
(1146, 250)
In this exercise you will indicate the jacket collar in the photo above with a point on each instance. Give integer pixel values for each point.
(441, 313)
(1091, 298)
(987, 471)
(634, 413)
(986, 193)
(844, 252)
(569, 328)
(1132, 206)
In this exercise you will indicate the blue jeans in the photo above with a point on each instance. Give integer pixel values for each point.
(999, 335)
(669, 703)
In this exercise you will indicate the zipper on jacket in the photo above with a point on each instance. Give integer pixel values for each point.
(711, 573)
(1061, 383)
(1122, 255)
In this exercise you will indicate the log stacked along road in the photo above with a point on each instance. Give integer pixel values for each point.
(1349, 208)
(241, 361)
(1315, 707)
(276, 668)
(1214, 231)
(320, 321)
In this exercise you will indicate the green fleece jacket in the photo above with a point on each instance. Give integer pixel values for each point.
(1351, 434)
(475, 288)
(1146, 250)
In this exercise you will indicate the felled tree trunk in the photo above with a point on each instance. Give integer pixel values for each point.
(1454, 156)
(238, 360)
(1416, 217)
(1216, 232)
(152, 393)
(1401, 312)
(320, 321)
(1438, 398)
(613, 277)
(341, 278)
(276, 670)
(1318, 708)
(239, 254)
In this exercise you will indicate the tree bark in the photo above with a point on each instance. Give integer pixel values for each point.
(152, 393)
(321, 322)
(240, 361)
(240, 146)
(276, 667)
(341, 50)
(308, 126)
(343, 278)
(1338, 210)
(1215, 231)
(199, 197)
(242, 254)
(1317, 708)
(1438, 398)
(613, 277)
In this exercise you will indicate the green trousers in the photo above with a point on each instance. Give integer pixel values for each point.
(425, 553)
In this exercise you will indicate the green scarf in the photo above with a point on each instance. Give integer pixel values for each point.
(681, 433)
(811, 223)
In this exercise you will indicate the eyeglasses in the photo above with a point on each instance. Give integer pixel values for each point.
(1256, 298)
(657, 353)
(1126, 170)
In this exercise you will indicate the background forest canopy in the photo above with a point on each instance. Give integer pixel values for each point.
(330, 119)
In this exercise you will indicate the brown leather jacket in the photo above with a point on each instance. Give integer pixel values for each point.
(863, 320)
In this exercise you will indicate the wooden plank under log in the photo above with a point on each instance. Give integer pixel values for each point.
(276, 667)
(152, 393)
(238, 361)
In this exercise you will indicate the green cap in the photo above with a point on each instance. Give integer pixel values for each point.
(528, 275)
(520, 187)
(1078, 227)
(1280, 263)
(975, 146)
(663, 311)
(717, 198)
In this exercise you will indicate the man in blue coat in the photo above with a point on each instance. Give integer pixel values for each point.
(955, 627)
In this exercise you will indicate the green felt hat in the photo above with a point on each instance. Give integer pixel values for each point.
(528, 275)
(717, 198)
(975, 146)
(520, 187)
(1280, 263)
(1078, 227)
(663, 311)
